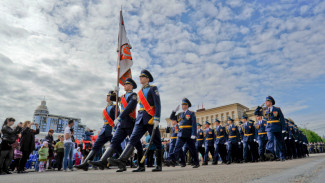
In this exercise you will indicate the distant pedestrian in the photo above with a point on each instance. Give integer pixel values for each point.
(68, 146)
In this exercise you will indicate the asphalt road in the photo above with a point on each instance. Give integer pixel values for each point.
(310, 169)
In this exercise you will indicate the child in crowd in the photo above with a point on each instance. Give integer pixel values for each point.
(59, 152)
(77, 157)
(43, 154)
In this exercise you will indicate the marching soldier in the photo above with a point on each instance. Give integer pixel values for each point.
(187, 134)
(209, 143)
(274, 127)
(248, 139)
(105, 134)
(147, 120)
(261, 135)
(220, 141)
(173, 130)
(291, 141)
(240, 150)
(233, 141)
(124, 123)
(199, 144)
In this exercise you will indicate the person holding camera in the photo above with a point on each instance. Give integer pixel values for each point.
(27, 143)
(10, 135)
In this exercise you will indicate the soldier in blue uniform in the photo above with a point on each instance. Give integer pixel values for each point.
(261, 135)
(240, 151)
(124, 123)
(248, 139)
(220, 141)
(233, 141)
(173, 130)
(199, 144)
(147, 120)
(105, 134)
(187, 134)
(208, 143)
(291, 141)
(274, 127)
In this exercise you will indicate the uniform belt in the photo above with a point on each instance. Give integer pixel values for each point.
(274, 121)
(106, 123)
(142, 109)
(209, 139)
(220, 137)
(262, 133)
(198, 139)
(173, 137)
(232, 136)
(248, 134)
(185, 126)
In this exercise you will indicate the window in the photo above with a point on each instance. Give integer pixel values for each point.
(233, 114)
(222, 117)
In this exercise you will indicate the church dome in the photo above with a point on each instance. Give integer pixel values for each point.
(42, 109)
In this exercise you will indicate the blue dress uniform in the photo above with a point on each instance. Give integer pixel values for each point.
(261, 138)
(173, 138)
(150, 109)
(199, 144)
(291, 144)
(209, 138)
(274, 127)
(124, 127)
(248, 140)
(233, 140)
(187, 129)
(105, 134)
(220, 140)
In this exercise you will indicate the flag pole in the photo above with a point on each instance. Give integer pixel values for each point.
(118, 64)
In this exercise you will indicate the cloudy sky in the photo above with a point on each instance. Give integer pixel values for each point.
(213, 52)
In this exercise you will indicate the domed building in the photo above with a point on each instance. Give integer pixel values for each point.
(58, 123)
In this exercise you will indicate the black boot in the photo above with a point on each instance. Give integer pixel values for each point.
(121, 161)
(102, 163)
(85, 165)
(158, 161)
(141, 167)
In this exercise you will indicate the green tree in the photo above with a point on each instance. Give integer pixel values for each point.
(312, 136)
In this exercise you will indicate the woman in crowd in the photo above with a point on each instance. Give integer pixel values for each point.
(27, 144)
(49, 139)
(59, 152)
(9, 137)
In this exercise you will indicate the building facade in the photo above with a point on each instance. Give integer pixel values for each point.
(58, 123)
(234, 111)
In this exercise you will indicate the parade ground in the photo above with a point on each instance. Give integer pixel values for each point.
(310, 169)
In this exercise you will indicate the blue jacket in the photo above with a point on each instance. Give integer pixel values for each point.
(125, 120)
(260, 128)
(199, 138)
(173, 133)
(275, 119)
(233, 134)
(291, 132)
(87, 135)
(187, 124)
(209, 137)
(111, 112)
(249, 132)
(152, 96)
(241, 132)
(221, 135)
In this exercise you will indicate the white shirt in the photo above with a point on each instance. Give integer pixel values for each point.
(270, 108)
(67, 131)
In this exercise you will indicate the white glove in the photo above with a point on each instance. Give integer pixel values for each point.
(116, 121)
(238, 143)
(225, 143)
(177, 108)
(155, 124)
(283, 131)
(296, 140)
(254, 140)
(193, 137)
(202, 145)
(285, 138)
(116, 89)
(241, 141)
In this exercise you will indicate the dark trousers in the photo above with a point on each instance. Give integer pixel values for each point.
(191, 146)
(59, 159)
(140, 129)
(15, 164)
(261, 147)
(249, 151)
(181, 153)
(200, 150)
(275, 139)
(5, 159)
(23, 160)
(119, 137)
(150, 160)
(220, 150)
(207, 150)
(232, 151)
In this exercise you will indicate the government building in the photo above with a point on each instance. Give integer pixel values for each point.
(234, 111)
(47, 121)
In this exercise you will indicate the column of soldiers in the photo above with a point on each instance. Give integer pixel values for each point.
(271, 137)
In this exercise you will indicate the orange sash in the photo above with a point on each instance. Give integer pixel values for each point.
(125, 103)
(150, 109)
(108, 118)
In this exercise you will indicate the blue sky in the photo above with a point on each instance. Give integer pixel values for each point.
(213, 52)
